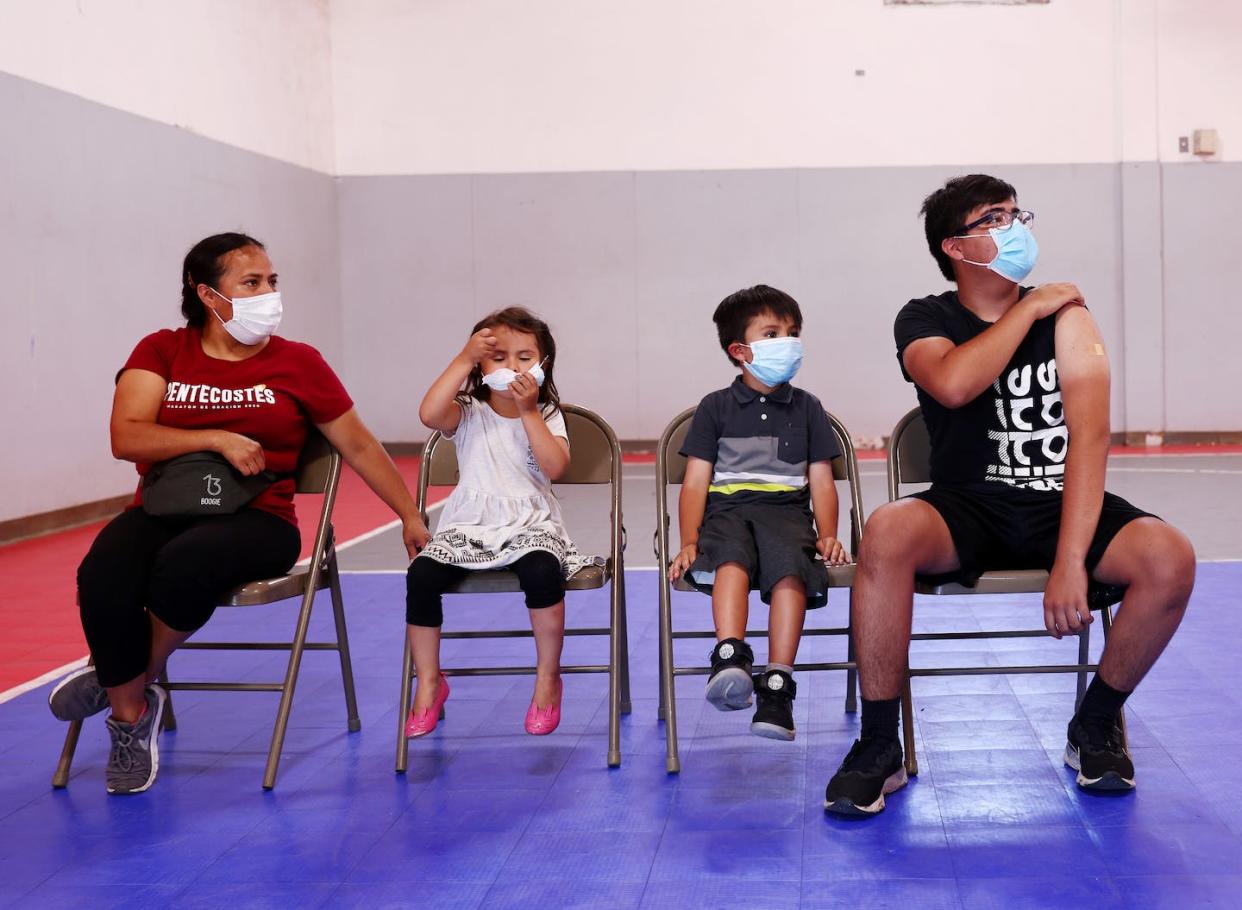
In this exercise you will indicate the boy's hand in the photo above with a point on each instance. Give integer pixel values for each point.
(834, 554)
(525, 392)
(480, 345)
(1065, 600)
(682, 561)
(1049, 298)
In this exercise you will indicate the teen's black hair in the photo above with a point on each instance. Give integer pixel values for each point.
(944, 211)
(204, 264)
(519, 319)
(737, 310)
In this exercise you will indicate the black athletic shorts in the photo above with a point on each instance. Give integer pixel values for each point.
(770, 542)
(996, 526)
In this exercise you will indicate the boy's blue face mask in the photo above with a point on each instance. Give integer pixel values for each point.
(774, 360)
(1016, 251)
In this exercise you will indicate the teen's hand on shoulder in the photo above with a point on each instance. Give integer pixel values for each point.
(414, 535)
(1065, 601)
(1050, 298)
(480, 346)
(834, 554)
(682, 561)
(525, 393)
(242, 452)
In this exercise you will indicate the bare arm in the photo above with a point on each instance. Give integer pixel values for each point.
(137, 437)
(362, 452)
(1084, 372)
(956, 375)
(690, 508)
(825, 508)
(552, 452)
(439, 409)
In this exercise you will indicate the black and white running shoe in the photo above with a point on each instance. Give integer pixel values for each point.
(1095, 751)
(729, 688)
(872, 769)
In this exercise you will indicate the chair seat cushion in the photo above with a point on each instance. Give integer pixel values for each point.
(270, 590)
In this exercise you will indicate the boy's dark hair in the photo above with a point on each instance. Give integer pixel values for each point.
(204, 264)
(944, 211)
(519, 319)
(739, 308)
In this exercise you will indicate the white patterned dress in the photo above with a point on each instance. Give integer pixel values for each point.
(503, 506)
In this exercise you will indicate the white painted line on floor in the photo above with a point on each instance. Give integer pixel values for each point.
(41, 680)
(374, 532)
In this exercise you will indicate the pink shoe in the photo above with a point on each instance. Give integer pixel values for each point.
(542, 721)
(420, 723)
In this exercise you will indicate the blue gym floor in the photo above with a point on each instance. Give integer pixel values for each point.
(490, 817)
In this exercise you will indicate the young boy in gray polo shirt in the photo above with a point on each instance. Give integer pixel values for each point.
(758, 484)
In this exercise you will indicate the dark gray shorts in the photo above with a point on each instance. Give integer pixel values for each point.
(770, 542)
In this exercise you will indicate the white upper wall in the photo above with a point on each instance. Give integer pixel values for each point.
(560, 85)
(254, 75)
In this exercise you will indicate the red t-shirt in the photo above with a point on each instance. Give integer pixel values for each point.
(271, 397)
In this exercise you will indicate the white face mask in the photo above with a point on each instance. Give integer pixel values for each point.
(254, 318)
(500, 379)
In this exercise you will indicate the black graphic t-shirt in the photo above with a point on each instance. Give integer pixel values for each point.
(1015, 431)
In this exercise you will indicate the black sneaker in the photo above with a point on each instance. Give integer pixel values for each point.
(1094, 749)
(872, 769)
(774, 691)
(729, 687)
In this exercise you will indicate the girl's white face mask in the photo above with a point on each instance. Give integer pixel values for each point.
(254, 318)
(499, 379)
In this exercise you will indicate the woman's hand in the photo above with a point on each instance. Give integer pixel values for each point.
(415, 535)
(242, 452)
(479, 347)
(525, 393)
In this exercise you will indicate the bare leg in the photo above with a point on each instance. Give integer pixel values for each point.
(785, 619)
(128, 699)
(730, 601)
(548, 624)
(1157, 564)
(902, 539)
(425, 646)
(164, 640)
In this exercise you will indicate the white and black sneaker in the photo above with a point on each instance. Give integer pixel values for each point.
(1094, 749)
(730, 687)
(872, 769)
(775, 691)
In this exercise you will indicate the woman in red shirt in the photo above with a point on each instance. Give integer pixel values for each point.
(226, 384)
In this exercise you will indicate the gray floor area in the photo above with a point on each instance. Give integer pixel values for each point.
(1201, 494)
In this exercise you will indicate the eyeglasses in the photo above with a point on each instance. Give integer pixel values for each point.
(998, 221)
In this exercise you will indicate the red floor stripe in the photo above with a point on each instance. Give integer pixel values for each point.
(39, 627)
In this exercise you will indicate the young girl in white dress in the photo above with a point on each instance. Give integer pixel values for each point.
(511, 444)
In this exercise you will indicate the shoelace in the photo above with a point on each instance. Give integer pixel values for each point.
(1102, 737)
(123, 751)
(864, 756)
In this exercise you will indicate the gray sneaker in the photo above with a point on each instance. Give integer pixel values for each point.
(78, 696)
(135, 756)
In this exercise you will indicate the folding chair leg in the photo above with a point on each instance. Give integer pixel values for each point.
(403, 705)
(60, 779)
(668, 692)
(907, 729)
(626, 705)
(1084, 656)
(851, 675)
(342, 646)
(615, 656)
(169, 722)
(291, 680)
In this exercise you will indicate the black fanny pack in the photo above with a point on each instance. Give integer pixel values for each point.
(200, 484)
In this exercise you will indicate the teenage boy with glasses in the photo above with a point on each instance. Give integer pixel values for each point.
(1013, 383)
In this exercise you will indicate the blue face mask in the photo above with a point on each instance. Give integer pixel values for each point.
(774, 360)
(1016, 252)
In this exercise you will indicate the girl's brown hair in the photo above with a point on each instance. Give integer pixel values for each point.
(518, 319)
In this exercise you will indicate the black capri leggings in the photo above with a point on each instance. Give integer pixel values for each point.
(177, 568)
(538, 572)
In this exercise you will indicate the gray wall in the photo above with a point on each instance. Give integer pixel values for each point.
(97, 209)
(627, 267)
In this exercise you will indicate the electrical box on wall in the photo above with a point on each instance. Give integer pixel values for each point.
(1205, 142)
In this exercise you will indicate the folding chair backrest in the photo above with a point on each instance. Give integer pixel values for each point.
(909, 453)
(315, 463)
(844, 467)
(595, 455)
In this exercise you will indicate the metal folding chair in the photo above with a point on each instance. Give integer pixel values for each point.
(319, 471)
(595, 459)
(909, 462)
(671, 469)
